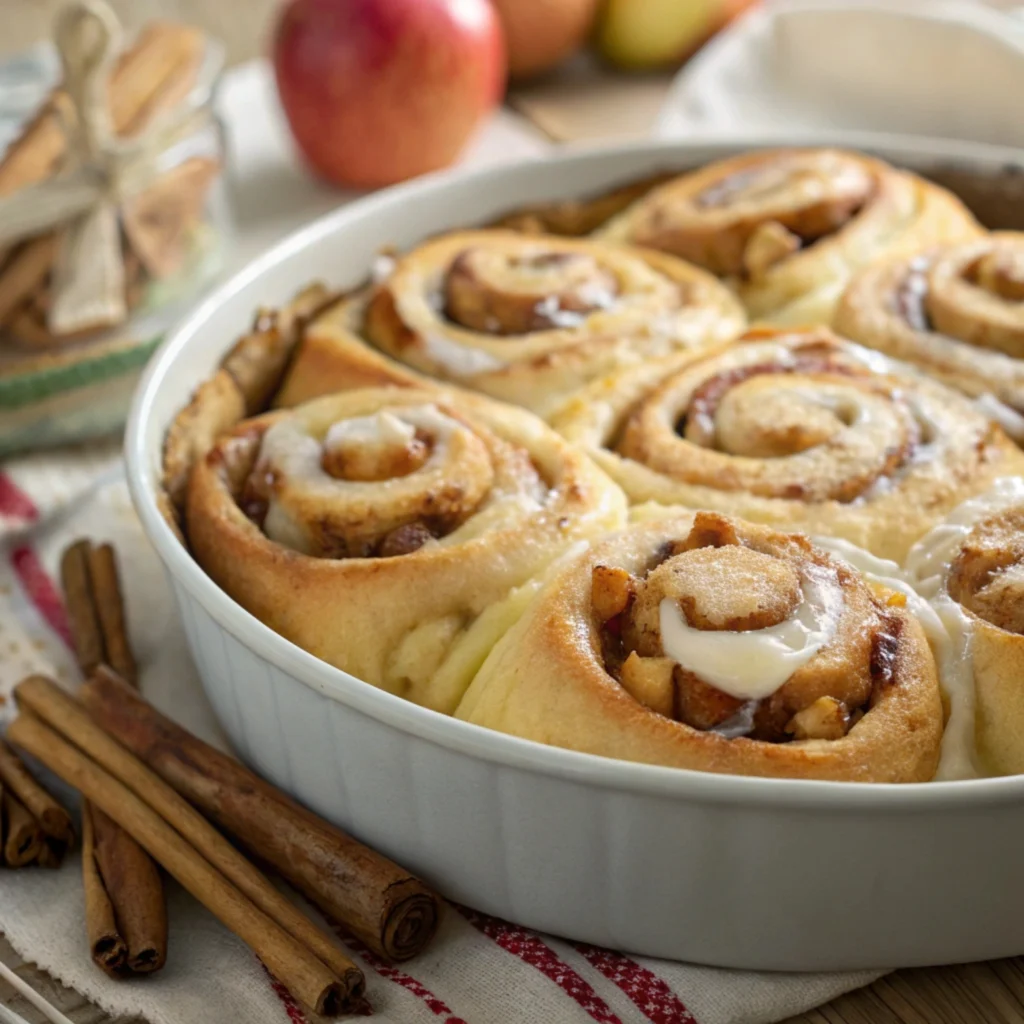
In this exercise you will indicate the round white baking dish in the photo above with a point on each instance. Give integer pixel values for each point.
(731, 871)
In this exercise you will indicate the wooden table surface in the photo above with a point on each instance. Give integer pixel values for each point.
(584, 103)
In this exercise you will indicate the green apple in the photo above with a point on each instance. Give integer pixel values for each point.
(643, 34)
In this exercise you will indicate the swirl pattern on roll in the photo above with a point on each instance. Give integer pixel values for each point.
(526, 320)
(799, 429)
(393, 532)
(709, 643)
(787, 228)
(971, 566)
(957, 312)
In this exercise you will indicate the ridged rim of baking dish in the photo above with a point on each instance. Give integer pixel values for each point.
(463, 737)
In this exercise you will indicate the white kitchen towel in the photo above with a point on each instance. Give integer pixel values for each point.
(944, 68)
(480, 970)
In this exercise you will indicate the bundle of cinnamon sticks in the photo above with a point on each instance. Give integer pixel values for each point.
(125, 908)
(34, 828)
(154, 75)
(153, 795)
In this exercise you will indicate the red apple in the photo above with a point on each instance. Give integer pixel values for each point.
(377, 91)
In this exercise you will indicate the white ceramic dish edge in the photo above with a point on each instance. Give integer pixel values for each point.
(730, 871)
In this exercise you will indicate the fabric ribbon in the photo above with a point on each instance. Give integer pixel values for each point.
(100, 172)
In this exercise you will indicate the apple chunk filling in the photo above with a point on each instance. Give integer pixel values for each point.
(739, 630)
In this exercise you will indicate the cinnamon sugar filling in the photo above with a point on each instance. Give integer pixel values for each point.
(723, 581)
(372, 487)
(768, 411)
(507, 294)
(752, 219)
(987, 575)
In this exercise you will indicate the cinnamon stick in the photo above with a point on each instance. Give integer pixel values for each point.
(154, 75)
(82, 616)
(25, 271)
(96, 609)
(27, 329)
(158, 222)
(106, 593)
(54, 821)
(172, 832)
(306, 977)
(23, 837)
(135, 890)
(163, 54)
(108, 950)
(391, 911)
(124, 892)
(51, 853)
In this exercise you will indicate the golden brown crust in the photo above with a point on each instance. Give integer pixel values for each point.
(954, 311)
(787, 228)
(524, 319)
(548, 680)
(575, 218)
(258, 360)
(331, 358)
(414, 615)
(216, 406)
(796, 429)
(245, 383)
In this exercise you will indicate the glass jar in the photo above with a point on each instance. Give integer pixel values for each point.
(173, 226)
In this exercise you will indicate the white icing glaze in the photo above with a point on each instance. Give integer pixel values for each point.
(959, 747)
(1009, 419)
(550, 308)
(297, 455)
(460, 360)
(931, 556)
(927, 568)
(948, 632)
(383, 427)
(382, 267)
(753, 664)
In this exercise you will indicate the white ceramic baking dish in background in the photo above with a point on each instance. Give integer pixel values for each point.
(731, 871)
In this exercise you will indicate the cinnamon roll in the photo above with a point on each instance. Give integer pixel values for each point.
(799, 429)
(525, 319)
(971, 567)
(787, 228)
(955, 311)
(709, 643)
(392, 532)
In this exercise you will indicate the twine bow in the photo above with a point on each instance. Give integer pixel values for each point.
(100, 173)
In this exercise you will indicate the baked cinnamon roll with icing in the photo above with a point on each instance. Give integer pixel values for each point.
(957, 312)
(797, 429)
(524, 319)
(709, 643)
(971, 567)
(393, 532)
(787, 228)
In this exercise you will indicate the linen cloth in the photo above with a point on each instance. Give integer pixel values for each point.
(949, 69)
(479, 969)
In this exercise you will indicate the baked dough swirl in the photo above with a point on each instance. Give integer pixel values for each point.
(710, 643)
(393, 532)
(799, 429)
(956, 311)
(524, 319)
(787, 228)
(971, 567)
